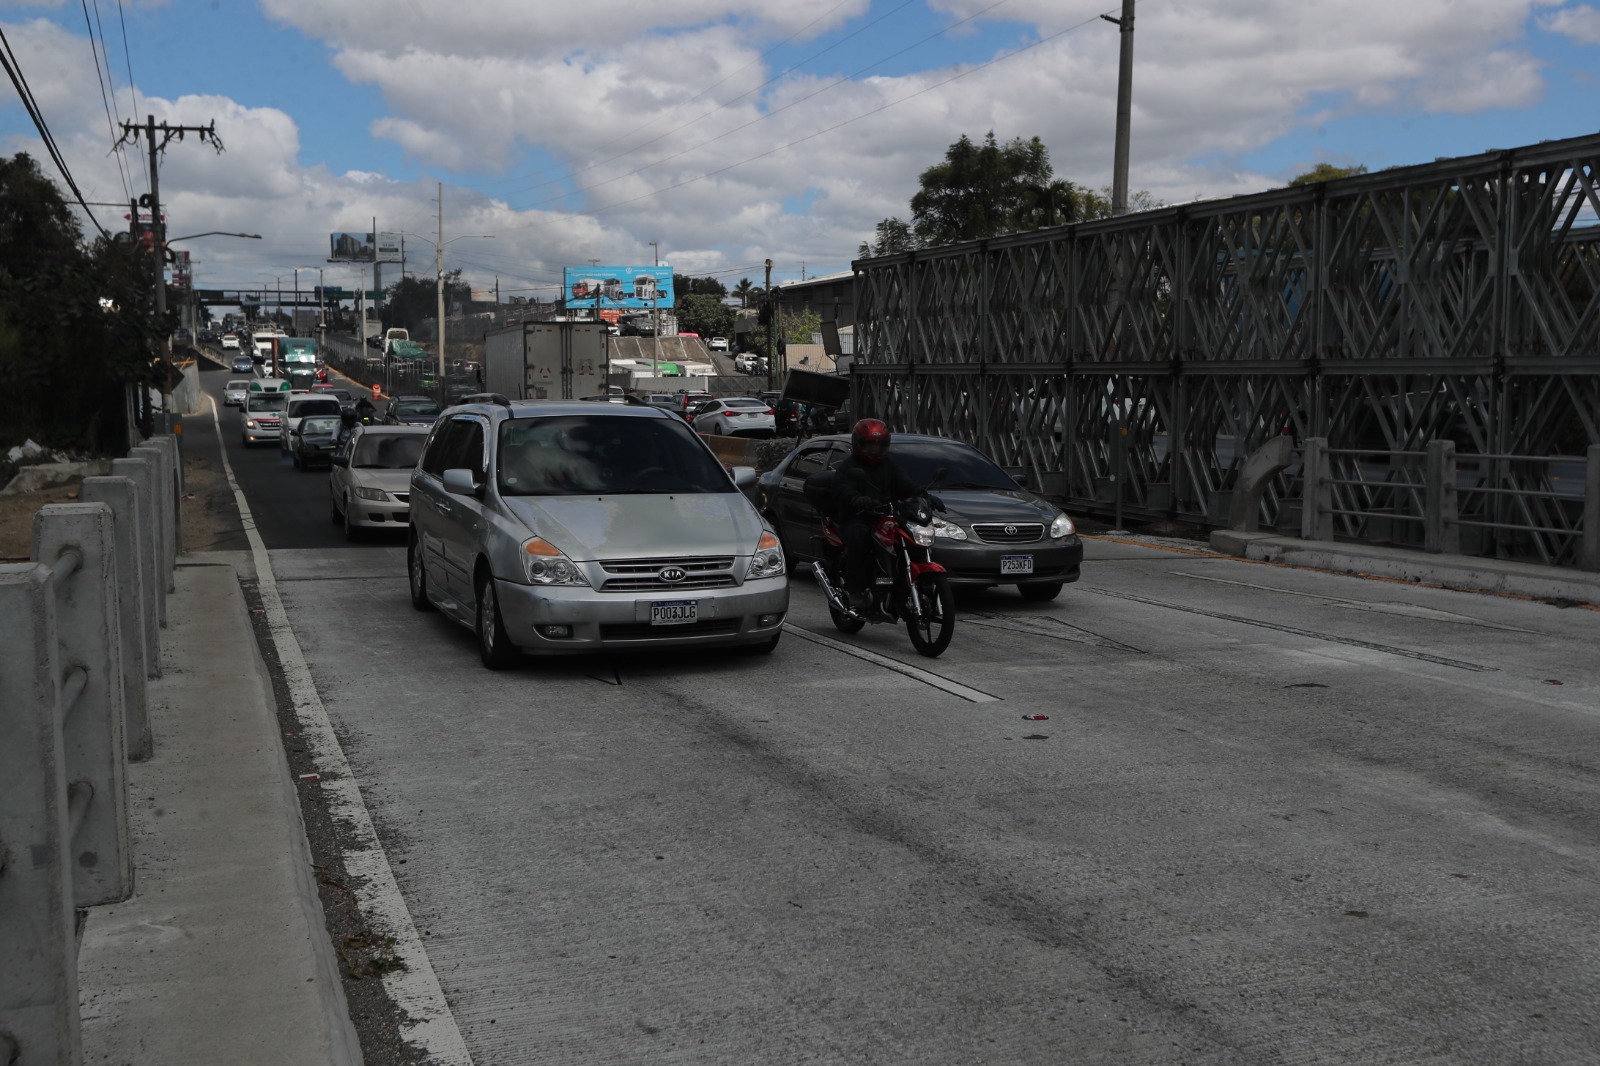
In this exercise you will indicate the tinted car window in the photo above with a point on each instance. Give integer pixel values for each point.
(304, 408)
(268, 401)
(438, 447)
(809, 462)
(968, 468)
(464, 445)
(387, 451)
(417, 409)
(576, 455)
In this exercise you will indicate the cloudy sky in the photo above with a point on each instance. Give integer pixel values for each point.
(732, 131)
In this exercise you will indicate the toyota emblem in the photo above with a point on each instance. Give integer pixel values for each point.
(672, 573)
(1011, 531)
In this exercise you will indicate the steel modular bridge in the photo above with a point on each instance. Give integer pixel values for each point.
(1454, 300)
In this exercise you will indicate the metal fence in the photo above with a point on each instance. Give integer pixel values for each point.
(1455, 301)
(81, 623)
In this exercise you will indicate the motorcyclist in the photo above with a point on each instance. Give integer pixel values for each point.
(864, 483)
(366, 411)
(347, 428)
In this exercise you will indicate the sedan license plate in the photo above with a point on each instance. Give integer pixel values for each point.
(674, 612)
(1016, 564)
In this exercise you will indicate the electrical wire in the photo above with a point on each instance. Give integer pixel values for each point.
(14, 71)
(105, 98)
(127, 56)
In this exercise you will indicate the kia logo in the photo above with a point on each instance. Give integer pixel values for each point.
(1011, 531)
(672, 573)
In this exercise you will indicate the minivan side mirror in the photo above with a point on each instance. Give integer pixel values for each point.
(460, 482)
(1021, 478)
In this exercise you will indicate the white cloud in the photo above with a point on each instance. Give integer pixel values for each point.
(672, 97)
(1580, 22)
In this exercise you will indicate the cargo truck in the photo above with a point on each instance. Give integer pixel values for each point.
(546, 360)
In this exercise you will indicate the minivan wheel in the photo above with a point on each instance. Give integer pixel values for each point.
(416, 575)
(497, 651)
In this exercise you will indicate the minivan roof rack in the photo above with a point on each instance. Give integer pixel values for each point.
(486, 397)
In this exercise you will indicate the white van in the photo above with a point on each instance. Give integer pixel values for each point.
(264, 404)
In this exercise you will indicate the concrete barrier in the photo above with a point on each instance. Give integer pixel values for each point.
(119, 494)
(72, 693)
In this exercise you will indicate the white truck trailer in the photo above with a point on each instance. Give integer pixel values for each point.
(546, 360)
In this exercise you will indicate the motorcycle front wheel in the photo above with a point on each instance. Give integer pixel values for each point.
(936, 604)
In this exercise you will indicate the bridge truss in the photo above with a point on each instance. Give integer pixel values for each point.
(1455, 300)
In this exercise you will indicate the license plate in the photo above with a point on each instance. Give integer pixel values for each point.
(674, 612)
(1016, 564)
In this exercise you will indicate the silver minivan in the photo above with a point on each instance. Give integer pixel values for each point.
(551, 527)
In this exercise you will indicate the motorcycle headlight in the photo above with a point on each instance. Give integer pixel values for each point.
(1062, 526)
(923, 535)
(371, 494)
(767, 560)
(948, 530)
(544, 564)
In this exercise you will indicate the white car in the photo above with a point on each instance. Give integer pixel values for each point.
(736, 416)
(230, 341)
(718, 344)
(233, 393)
(302, 404)
(370, 483)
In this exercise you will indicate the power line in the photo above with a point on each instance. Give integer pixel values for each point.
(127, 56)
(14, 71)
(105, 99)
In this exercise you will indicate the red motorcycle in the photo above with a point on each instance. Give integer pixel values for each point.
(907, 586)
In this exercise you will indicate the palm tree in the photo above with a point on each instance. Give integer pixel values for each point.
(744, 290)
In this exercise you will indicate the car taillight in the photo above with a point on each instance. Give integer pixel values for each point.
(772, 412)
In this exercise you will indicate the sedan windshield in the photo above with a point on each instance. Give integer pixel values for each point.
(388, 451)
(417, 409)
(967, 467)
(579, 455)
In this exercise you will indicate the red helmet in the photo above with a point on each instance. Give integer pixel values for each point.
(869, 440)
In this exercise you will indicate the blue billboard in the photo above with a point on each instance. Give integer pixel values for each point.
(617, 287)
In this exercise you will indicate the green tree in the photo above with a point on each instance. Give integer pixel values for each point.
(744, 290)
(76, 321)
(1327, 172)
(413, 303)
(889, 237)
(705, 314)
(1096, 203)
(683, 285)
(984, 190)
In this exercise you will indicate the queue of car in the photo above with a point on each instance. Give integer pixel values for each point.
(554, 527)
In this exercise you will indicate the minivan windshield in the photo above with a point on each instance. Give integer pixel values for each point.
(580, 455)
(267, 401)
(387, 451)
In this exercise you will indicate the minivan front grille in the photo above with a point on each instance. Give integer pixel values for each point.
(1009, 532)
(644, 575)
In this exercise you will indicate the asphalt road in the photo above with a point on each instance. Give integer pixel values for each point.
(1273, 816)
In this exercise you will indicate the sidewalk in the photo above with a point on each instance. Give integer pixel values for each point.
(1403, 564)
(221, 955)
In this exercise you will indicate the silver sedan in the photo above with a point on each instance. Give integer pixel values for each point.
(370, 484)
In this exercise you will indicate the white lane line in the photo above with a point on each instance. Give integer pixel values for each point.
(943, 684)
(1403, 610)
(416, 989)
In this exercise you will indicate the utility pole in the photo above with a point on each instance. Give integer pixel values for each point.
(438, 270)
(131, 132)
(772, 318)
(1119, 164)
(655, 315)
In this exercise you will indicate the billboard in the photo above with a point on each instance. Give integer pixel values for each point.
(351, 247)
(387, 247)
(616, 287)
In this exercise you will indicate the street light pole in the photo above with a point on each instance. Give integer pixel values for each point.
(655, 315)
(438, 271)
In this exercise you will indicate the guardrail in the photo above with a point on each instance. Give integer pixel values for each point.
(1468, 504)
(81, 624)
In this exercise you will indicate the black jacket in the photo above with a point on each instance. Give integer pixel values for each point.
(861, 486)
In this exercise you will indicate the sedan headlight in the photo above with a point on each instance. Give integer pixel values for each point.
(1062, 526)
(365, 493)
(544, 564)
(767, 560)
(948, 530)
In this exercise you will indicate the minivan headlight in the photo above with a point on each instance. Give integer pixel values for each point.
(767, 560)
(1062, 526)
(544, 564)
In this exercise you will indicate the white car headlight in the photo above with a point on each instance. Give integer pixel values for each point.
(948, 530)
(252, 423)
(923, 535)
(544, 564)
(371, 494)
(767, 560)
(1062, 526)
